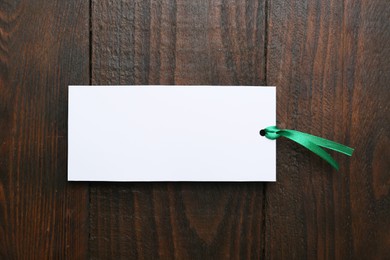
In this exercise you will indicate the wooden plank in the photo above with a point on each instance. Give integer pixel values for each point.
(177, 42)
(330, 60)
(43, 48)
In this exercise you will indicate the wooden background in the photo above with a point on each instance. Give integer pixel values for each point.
(330, 61)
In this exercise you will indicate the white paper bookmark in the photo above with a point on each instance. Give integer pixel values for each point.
(170, 133)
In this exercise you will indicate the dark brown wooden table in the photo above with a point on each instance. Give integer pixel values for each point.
(330, 61)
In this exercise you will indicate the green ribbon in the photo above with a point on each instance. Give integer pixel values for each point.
(311, 142)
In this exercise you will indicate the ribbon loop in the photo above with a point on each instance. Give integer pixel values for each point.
(311, 142)
(271, 132)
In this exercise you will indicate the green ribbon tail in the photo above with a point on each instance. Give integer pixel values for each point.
(311, 142)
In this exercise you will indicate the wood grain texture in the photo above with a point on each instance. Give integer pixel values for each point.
(43, 48)
(182, 221)
(331, 63)
(177, 42)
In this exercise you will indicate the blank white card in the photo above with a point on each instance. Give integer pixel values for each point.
(171, 133)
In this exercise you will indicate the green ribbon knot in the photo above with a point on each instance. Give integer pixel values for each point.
(311, 142)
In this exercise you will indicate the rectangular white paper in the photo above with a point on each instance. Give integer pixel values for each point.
(171, 133)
